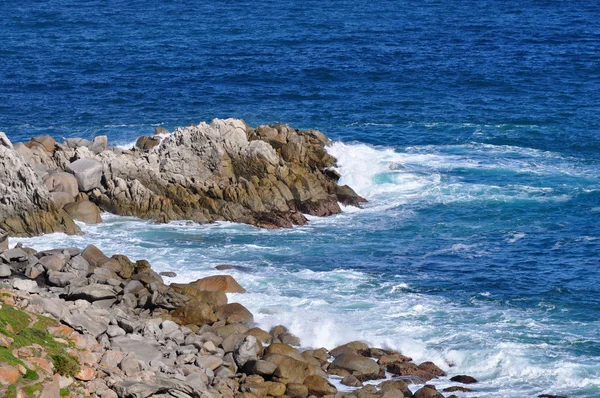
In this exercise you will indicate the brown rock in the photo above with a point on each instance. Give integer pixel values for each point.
(59, 181)
(352, 347)
(464, 379)
(214, 299)
(390, 358)
(357, 363)
(234, 313)
(46, 142)
(296, 390)
(195, 313)
(261, 335)
(85, 211)
(283, 349)
(427, 391)
(147, 143)
(399, 385)
(94, 256)
(319, 386)
(289, 370)
(219, 283)
(351, 381)
(275, 389)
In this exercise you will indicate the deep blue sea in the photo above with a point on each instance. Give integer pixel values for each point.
(473, 128)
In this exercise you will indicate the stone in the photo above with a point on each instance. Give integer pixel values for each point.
(368, 368)
(351, 381)
(85, 373)
(428, 391)
(464, 379)
(3, 237)
(168, 274)
(147, 143)
(352, 347)
(246, 350)
(260, 367)
(195, 313)
(211, 362)
(261, 335)
(319, 386)
(283, 349)
(275, 389)
(25, 285)
(289, 339)
(88, 173)
(296, 390)
(219, 283)
(234, 313)
(130, 366)
(46, 142)
(61, 199)
(84, 211)
(92, 292)
(87, 323)
(394, 384)
(112, 358)
(53, 262)
(5, 271)
(144, 349)
(289, 370)
(94, 256)
(61, 279)
(8, 375)
(59, 181)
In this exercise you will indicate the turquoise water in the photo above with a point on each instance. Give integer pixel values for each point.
(471, 127)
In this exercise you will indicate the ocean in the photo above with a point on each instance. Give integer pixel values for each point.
(473, 129)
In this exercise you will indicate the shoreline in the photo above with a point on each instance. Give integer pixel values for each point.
(104, 294)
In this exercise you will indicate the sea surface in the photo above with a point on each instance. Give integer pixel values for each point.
(472, 127)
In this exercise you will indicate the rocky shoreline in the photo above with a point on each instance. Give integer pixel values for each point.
(269, 176)
(75, 322)
(127, 334)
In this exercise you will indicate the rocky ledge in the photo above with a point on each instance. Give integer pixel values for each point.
(269, 176)
(77, 323)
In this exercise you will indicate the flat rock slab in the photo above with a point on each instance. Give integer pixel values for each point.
(144, 351)
(87, 323)
(92, 292)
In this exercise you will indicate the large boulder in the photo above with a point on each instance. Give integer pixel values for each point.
(195, 312)
(88, 173)
(319, 386)
(219, 283)
(84, 211)
(59, 181)
(366, 367)
(289, 370)
(234, 313)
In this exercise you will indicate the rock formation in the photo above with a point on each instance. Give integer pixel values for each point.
(269, 176)
(26, 206)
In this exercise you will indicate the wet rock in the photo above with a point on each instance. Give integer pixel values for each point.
(356, 363)
(464, 379)
(457, 388)
(428, 391)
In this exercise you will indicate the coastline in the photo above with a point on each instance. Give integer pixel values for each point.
(116, 306)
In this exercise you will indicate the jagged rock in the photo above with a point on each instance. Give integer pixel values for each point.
(88, 173)
(219, 283)
(26, 208)
(246, 350)
(46, 142)
(84, 211)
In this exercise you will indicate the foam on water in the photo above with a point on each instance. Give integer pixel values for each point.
(294, 276)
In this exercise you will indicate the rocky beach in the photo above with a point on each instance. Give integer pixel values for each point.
(75, 322)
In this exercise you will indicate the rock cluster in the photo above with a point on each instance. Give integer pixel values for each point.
(269, 177)
(134, 336)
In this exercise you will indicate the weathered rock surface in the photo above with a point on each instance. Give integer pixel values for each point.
(26, 208)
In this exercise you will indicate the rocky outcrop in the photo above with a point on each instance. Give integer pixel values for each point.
(268, 176)
(112, 328)
(26, 207)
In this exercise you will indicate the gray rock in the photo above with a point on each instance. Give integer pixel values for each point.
(3, 236)
(5, 271)
(133, 287)
(60, 279)
(130, 365)
(88, 173)
(87, 323)
(246, 350)
(168, 274)
(54, 262)
(15, 254)
(115, 331)
(78, 266)
(211, 362)
(144, 349)
(92, 292)
(33, 270)
(25, 285)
